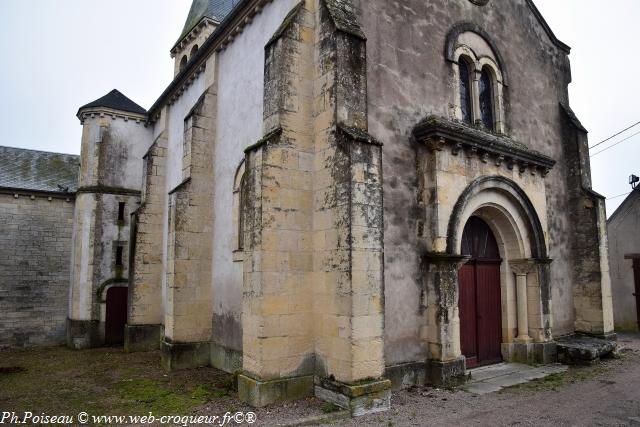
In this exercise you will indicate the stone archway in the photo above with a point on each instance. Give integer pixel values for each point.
(524, 288)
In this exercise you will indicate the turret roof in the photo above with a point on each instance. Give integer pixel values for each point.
(117, 101)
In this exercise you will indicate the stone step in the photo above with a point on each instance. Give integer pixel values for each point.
(581, 349)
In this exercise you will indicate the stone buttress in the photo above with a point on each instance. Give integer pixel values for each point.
(145, 310)
(313, 295)
(189, 300)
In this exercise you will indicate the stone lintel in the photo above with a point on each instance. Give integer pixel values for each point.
(531, 353)
(83, 334)
(361, 398)
(448, 374)
(259, 393)
(142, 338)
(632, 256)
(177, 355)
(406, 375)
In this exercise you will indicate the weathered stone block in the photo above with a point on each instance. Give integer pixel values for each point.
(225, 359)
(82, 334)
(447, 374)
(406, 375)
(262, 393)
(142, 338)
(176, 356)
(584, 350)
(362, 398)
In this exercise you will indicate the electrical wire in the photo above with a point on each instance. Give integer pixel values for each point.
(620, 195)
(613, 136)
(611, 146)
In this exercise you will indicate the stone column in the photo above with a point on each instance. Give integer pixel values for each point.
(521, 269)
(445, 364)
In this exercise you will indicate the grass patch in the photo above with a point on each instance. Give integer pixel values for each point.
(555, 382)
(161, 400)
(329, 408)
(100, 381)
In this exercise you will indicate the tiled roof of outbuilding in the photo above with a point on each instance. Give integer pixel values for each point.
(117, 101)
(38, 170)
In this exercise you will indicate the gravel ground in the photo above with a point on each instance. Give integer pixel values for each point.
(607, 394)
(60, 380)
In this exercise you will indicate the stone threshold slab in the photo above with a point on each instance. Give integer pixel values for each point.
(489, 379)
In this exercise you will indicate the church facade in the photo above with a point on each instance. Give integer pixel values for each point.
(338, 197)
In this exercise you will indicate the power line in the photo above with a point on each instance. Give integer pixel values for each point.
(620, 195)
(613, 136)
(619, 142)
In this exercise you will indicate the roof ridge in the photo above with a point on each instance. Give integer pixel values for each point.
(39, 151)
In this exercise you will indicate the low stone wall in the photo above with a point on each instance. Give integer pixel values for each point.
(35, 249)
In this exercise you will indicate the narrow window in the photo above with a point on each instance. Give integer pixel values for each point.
(194, 50)
(486, 100)
(465, 91)
(121, 211)
(241, 206)
(119, 250)
(183, 62)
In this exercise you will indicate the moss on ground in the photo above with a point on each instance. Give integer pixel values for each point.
(101, 381)
(555, 382)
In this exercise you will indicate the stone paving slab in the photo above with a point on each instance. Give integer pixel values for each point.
(490, 379)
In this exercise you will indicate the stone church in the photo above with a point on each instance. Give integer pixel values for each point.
(340, 197)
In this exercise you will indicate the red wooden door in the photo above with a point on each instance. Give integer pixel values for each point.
(116, 315)
(479, 296)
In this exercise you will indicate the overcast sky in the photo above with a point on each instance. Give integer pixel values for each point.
(61, 54)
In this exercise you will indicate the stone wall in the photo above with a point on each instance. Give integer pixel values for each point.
(35, 249)
(410, 79)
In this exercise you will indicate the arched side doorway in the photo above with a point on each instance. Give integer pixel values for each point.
(116, 315)
(480, 296)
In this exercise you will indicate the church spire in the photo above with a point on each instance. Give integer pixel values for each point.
(204, 17)
(215, 10)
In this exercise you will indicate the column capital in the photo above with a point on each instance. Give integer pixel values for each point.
(522, 267)
(444, 262)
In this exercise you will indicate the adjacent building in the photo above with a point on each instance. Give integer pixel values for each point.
(623, 227)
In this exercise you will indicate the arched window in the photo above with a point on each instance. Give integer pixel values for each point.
(465, 91)
(486, 99)
(241, 208)
(183, 62)
(194, 49)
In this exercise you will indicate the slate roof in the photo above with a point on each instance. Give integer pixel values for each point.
(214, 9)
(117, 101)
(38, 170)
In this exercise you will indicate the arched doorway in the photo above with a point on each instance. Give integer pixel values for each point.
(479, 292)
(116, 315)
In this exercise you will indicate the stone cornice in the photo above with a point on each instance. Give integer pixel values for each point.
(358, 135)
(90, 113)
(436, 133)
(102, 189)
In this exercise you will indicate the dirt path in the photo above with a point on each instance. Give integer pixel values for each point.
(607, 394)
